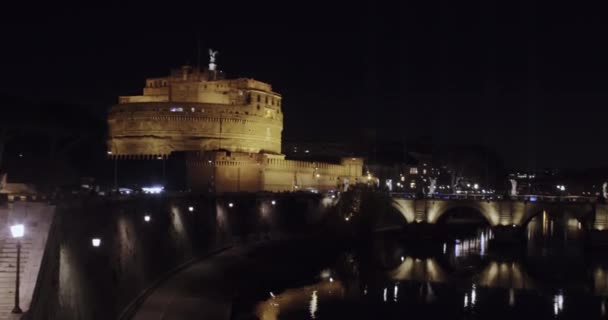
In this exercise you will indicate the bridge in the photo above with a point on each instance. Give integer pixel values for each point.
(502, 212)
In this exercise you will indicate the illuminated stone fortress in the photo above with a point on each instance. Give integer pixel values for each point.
(230, 130)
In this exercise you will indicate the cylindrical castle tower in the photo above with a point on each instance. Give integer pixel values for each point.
(193, 110)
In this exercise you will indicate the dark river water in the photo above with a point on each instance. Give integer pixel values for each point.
(465, 275)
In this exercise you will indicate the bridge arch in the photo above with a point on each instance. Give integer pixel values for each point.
(407, 209)
(584, 213)
(462, 212)
(438, 208)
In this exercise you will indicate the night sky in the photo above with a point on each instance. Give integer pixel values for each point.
(526, 78)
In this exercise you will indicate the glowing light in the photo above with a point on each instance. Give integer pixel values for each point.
(466, 301)
(402, 258)
(272, 295)
(325, 274)
(18, 230)
(331, 279)
(395, 292)
(558, 303)
(511, 297)
(273, 202)
(96, 242)
(190, 209)
(230, 204)
(314, 305)
(153, 189)
(384, 294)
(473, 295)
(109, 152)
(476, 186)
(445, 248)
(147, 218)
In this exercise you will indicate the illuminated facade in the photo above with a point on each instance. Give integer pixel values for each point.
(192, 110)
(229, 128)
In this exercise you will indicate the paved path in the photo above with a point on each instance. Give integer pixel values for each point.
(206, 289)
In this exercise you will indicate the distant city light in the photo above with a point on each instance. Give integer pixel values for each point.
(153, 189)
(147, 218)
(230, 204)
(273, 202)
(96, 242)
(190, 208)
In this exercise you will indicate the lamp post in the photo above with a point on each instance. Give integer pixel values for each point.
(17, 232)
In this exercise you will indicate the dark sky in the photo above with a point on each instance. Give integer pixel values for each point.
(526, 78)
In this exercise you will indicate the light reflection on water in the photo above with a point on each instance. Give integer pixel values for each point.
(459, 278)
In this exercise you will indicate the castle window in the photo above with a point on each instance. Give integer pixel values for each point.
(259, 98)
(177, 109)
(258, 107)
(266, 99)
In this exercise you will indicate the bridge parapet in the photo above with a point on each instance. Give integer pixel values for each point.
(494, 197)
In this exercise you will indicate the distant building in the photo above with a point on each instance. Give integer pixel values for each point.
(230, 130)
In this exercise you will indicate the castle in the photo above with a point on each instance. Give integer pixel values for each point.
(230, 130)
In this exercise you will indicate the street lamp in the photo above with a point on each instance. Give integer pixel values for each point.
(17, 231)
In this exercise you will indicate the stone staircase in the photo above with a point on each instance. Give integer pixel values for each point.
(8, 268)
(37, 218)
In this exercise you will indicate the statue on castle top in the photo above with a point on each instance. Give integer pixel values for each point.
(212, 55)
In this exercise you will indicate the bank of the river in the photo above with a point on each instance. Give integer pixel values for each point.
(208, 288)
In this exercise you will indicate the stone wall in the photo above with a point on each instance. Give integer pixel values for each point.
(153, 128)
(237, 172)
(79, 281)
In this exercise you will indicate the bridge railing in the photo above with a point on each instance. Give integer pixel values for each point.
(495, 197)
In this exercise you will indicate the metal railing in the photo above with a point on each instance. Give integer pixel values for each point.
(496, 197)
